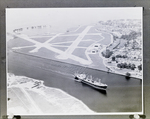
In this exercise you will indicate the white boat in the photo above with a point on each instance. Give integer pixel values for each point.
(87, 79)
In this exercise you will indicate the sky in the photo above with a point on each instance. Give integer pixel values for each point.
(67, 17)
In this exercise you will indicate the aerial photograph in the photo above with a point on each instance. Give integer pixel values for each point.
(74, 61)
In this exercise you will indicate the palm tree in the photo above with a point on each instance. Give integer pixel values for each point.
(128, 75)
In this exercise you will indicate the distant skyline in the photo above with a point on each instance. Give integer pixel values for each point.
(67, 17)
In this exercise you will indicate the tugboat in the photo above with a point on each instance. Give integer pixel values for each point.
(87, 79)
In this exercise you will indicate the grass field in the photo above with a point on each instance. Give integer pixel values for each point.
(92, 30)
(41, 39)
(93, 37)
(17, 42)
(63, 39)
(106, 40)
(80, 53)
(85, 43)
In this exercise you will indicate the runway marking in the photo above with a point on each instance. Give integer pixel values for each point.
(15, 48)
(35, 106)
(77, 29)
(62, 42)
(19, 97)
(45, 43)
(30, 100)
(67, 46)
(68, 53)
(75, 43)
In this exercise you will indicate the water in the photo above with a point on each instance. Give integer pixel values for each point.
(122, 95)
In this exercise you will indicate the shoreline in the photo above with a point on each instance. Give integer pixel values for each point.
(55, 98)
(85, 93)
(113, 69)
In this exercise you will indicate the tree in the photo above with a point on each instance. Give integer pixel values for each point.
(129, 65)
(113, 58)
(140, 67)
(124, 56)
(122, 65)
(125, 65)
(118, 65)
(118, 56)
(133, 66)
(107, 53)
(128, 75)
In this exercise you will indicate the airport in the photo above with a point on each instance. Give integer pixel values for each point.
(49, 65)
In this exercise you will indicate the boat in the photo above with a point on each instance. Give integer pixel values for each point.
(87, 79)
(79, 77)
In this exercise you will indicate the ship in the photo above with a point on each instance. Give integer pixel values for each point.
(88, 80)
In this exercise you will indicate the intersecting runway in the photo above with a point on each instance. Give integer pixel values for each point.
(68, 53)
